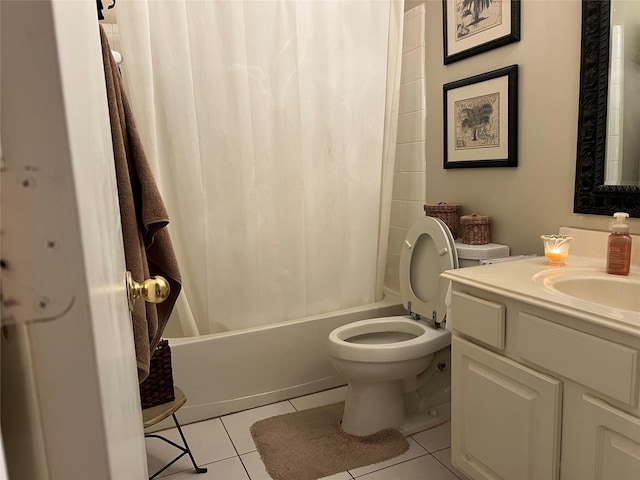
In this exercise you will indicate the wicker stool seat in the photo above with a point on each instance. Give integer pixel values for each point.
(153, 415)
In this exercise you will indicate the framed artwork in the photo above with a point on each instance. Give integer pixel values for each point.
(475, 26)
(481, 120)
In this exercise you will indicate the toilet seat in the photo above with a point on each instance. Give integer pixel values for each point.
(427, 251)
(420, 340)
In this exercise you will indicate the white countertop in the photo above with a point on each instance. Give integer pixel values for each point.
(515, 280)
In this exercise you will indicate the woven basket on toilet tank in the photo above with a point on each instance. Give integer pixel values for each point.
(475, 229)
(447, 212)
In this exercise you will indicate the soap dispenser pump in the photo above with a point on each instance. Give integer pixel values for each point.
(619, 246)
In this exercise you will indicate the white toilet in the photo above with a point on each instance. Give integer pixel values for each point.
(396, 367)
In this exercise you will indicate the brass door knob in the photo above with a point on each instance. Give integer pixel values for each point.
(153, 289)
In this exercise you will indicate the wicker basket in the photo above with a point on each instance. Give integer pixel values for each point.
(475, 229)
(157, 388)
(447, 212)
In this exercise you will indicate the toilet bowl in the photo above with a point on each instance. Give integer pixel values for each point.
(383, 359)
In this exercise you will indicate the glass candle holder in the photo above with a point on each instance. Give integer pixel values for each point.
(556, 248)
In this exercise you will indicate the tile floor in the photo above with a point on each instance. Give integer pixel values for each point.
(224, 446)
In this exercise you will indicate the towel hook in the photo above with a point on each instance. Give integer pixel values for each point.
(100, 7)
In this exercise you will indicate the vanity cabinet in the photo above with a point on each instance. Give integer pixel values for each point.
(506, 417)
(600, 441)
(540, 394)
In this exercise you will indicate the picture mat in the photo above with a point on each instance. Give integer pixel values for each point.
(500, 85)
(455, 46)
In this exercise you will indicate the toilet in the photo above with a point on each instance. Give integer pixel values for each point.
(397, 367)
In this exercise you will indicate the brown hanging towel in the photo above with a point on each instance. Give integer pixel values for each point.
(147, 246)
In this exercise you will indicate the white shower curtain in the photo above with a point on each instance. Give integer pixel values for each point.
(271, 126)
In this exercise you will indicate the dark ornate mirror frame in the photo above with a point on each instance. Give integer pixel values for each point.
(591, 195)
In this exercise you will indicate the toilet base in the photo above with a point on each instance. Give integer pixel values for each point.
(388, 410)
(371, 407)
(429, 405)
(410, 405)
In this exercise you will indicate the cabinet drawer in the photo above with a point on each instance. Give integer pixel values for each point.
(479, 319)
(604, 366)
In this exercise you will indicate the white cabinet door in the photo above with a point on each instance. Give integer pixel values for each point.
(505, 417)
(70, 403)
(600, 442)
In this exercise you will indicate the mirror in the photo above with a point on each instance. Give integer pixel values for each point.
(600, 188)
(622, 156)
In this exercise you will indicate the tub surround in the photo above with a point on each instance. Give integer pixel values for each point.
(544, 384)
(409, 179)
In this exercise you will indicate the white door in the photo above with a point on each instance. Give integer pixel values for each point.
(70, 407)
(505, 418)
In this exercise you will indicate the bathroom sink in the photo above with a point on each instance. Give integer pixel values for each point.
(593, 286)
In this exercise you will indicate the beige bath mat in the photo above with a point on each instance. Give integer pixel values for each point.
(309, 444)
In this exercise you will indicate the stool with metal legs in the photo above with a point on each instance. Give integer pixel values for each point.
(153, 415)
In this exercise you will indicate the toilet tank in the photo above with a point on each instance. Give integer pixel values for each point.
(471, 255)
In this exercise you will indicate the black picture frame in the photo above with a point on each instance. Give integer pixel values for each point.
(466, 32)
(479, 129)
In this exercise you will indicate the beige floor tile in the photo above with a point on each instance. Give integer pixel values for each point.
(435, 438)
(421, 468)
(207, 440)
(229, 469)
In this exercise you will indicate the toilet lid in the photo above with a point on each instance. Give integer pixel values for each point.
(428, 250)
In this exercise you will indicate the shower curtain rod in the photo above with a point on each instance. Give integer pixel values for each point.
(100, 7)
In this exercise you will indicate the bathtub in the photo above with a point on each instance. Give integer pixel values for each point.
(227, 372)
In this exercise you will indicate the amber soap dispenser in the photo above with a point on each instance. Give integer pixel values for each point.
(619, 248)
